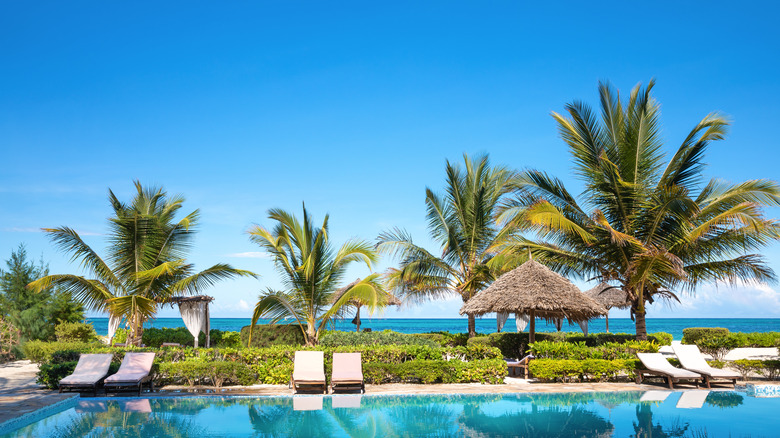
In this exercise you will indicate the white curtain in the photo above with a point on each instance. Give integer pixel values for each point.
(584, 327)
(501, 320)
(521, 322)
(558, 323)
(194, 315)
(113, 325)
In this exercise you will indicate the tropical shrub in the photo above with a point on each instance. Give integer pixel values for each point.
(385, 337)
(447, 339)
(580, 351)
(41, 351)
(567, 370)
(75, 332)
(692, 334)
(266, 335)
(218, 373)
(516, 345)
(770, 369)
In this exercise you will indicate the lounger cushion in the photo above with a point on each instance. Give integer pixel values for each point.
(658, 363)
(691, 359)
(347, 368)
(135, 367)
(90, 369)
(309, 367)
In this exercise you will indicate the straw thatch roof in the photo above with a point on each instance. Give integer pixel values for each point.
(533, 288)
(392, 300)
(608, 296)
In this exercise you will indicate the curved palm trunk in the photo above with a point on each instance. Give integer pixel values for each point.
(357, 318)
(641, 326)
(311, 332)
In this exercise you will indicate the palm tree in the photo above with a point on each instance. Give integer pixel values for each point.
(462, 222)
(652, 229)
(312, 270)
(145, 264)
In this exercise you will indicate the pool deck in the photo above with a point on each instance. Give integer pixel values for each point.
(20, 395)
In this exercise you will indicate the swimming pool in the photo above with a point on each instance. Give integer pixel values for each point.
(696, 413)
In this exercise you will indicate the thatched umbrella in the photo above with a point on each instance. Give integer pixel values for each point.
(534, 290)
(608, 296)
(392, 300)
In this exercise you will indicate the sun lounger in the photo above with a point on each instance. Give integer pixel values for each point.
(522, 364)
(656, 365)
(692, 399)
(133, 373)
(89, 372)
(347, 372)
(309, 371)
(691, 359)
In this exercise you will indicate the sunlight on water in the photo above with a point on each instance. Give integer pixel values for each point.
(695, 413)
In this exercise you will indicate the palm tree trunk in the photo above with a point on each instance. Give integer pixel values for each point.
(311, 333)
(641, 326)
(357, 318)
(472, 326)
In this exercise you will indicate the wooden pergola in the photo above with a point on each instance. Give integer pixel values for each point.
(196, 299)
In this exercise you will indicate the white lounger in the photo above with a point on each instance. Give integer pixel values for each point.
(691, 359)
(309, 371)
(657, 365)
(89, 372)
(133, 373)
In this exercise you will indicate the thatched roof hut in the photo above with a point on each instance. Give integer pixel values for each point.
(609, 296)
(392, 300)
(535, 290)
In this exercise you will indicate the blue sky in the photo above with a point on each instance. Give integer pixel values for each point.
(352, 108)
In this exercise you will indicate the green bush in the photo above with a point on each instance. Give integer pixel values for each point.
(447, 339)
(580, 351)
(567, 370)
(120, 337)
(41, 351)
(692, 334)
(719, 345)
(218, 373)
(75, 332)
(596, 339)
(770, 369)
(266, 335)
(386, 337)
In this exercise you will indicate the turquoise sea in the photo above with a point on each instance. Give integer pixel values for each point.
(488, 325)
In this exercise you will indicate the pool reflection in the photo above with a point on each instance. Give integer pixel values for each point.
(649, 414)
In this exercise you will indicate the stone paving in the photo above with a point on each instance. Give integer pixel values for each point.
(19, 394)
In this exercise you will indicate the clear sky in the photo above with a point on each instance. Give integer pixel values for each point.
(352, 108)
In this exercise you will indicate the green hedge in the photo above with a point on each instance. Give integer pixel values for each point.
(693, 334)
(567, 370)
(447, 339)
(580, 351)
(266, 335)
(273, 365)
(770, 369)
(386, 337)
(516, 345)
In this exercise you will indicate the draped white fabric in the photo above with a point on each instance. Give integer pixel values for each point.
(584, 327)
(501, 320)
(521, 322)
(558, 324)
(113, 325)
(194, 316)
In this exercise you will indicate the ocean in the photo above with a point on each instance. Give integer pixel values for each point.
(488, 325)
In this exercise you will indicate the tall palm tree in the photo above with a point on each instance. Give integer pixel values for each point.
(146, 260)
(462, 222)
(312, 270)
(651, 229)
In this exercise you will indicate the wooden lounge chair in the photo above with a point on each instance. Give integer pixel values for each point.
(656, 365)
(89, 373)
(522, 364)
(692, 360)
(347, 372)
(309, 372)
(132, 374)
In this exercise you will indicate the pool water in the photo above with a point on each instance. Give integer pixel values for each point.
(695, 413)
